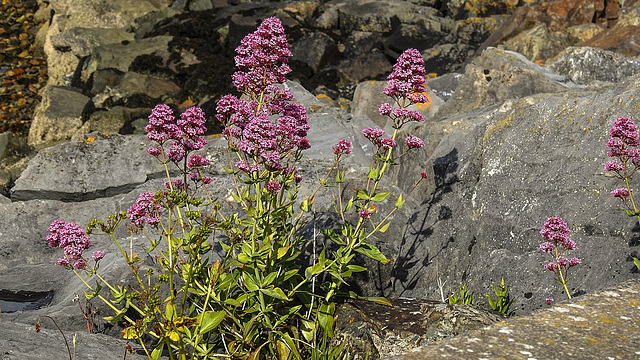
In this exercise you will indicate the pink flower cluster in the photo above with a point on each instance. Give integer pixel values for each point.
(343, 147)
(145, 210)
(556, 235)
(623, 146)
(185, 133)
(74, 241)
(266, 124)
(406, 86)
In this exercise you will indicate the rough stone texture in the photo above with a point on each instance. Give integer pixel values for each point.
(498, 173)
(120, 56)
(383, 331)
(59, 114)
(498, 75)
(588, 65)
(314, 50)
(538, 43)
(602, 325)
(21, 342)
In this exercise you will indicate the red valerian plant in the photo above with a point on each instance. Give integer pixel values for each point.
(259, 300)
(555, 233)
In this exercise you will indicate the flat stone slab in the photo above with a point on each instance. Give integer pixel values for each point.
(603, 325)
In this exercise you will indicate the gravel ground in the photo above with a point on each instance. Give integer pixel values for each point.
(23, 70)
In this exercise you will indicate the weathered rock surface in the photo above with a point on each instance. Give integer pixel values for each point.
(602, 325)
(588, 65)
(382, 331)
(499, 172)
(498, 75)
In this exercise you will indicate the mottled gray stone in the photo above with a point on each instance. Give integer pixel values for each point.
(602, 325)
(499, 75)
(588, 65)
(58, 115)
(382, 331)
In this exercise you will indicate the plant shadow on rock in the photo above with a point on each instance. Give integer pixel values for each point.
(405, 275)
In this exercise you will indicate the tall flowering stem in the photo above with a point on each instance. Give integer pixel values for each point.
(406, 87)
(623, 148)
(556, 235)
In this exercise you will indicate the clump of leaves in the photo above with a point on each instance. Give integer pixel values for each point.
(463, 298)
(503, 300)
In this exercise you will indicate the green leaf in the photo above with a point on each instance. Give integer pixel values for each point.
(372, 252)
(246, 222)
(373, 173)
(275, 293)
(362, 194)
(283, 251)
(292, 345)
(384, 227)
(349, 205)
(119, 314)
(209, 320)
(356, 268)
(333, 236)
(119, 294)
(250, 282)
(157, 352)
(340, 177)
(269, 279)
(325, 317)
(307, 203)
(637, 262)
(289, 274)
(379, 197)
(94, 293)
(228, 171)
(376, 299)
(400, 202)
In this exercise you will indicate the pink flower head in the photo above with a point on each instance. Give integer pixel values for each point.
(262, 58)
(176, 185)
(98, 255)
(625, 130)
(145, 210)
(424, 175)
(548, 300)
(273, 187)
(387, 143)
(343, 147)
(385, 109)
(373, 134)
(365, 214)
(196, 161)
(620, 193)
(73, 239)
(408, 75)
(552, 266)
(414, 142)
(574, 261)
(161, 124)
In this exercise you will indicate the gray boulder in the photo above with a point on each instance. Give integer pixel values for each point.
(498, 173)
(499, 75)
(588, 327)
(58, 116)
(588, 65)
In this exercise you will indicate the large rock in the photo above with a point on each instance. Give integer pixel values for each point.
(498, 173)
(601, 325)
(58, 116)
(381, 331)
(588, 65)
(498, 75)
